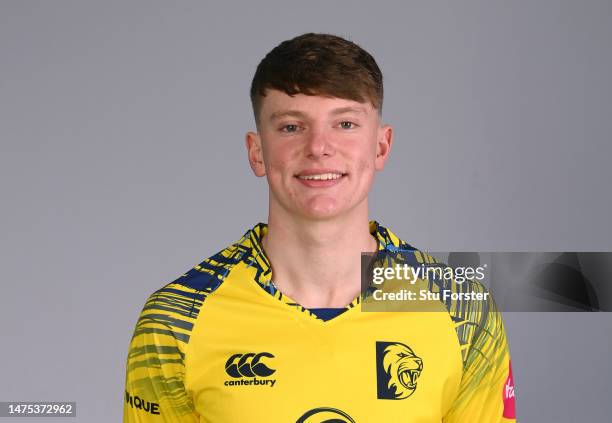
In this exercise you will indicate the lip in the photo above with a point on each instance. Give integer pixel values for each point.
(317, 171)
(319, 183)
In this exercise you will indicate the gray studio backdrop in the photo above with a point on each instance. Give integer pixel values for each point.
(122, 165)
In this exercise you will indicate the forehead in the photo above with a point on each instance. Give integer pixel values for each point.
(277, 104)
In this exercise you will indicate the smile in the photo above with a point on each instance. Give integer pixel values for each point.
(321, 177)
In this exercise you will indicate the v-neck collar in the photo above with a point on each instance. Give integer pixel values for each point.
(252, 242)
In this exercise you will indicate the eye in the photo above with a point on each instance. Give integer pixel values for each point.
(290, 128)
(347, 125)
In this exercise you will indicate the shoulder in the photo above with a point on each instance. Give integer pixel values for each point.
(387, 240)
(473, 312)
(207, 276)
(174, 308)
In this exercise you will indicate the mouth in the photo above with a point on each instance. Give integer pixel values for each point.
(328, 176)
(322, 178)
(408, 378)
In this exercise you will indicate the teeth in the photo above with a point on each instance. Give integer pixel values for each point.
(322, 177)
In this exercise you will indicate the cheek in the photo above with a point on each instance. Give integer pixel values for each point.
(280, 168)
(364, 169)
(365, 163)
(277, 159)
(364, 157)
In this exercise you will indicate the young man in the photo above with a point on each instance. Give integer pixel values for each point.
(270, 329)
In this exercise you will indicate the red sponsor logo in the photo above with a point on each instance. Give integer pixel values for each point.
(508, 395)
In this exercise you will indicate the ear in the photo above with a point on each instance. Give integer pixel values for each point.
(255, 153)
(383, 146)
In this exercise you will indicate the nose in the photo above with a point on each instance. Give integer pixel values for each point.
(319, 144)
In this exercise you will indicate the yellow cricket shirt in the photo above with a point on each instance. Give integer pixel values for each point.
(222, 345)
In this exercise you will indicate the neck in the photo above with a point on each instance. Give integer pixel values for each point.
(317, 262)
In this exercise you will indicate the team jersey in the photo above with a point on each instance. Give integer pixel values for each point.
(221, 344)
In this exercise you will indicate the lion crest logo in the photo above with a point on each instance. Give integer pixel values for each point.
(397, 370)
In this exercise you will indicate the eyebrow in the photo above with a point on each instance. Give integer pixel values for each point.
(287, 113)
(298, 114)
(349, 109)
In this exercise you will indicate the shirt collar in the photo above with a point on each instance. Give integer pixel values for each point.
(251, 241)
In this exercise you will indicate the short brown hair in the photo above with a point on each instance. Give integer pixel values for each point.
(319, 64)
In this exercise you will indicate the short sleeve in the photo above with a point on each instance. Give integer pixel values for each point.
(155, 369)
(486, 392)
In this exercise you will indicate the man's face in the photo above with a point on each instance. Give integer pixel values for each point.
(318, 153)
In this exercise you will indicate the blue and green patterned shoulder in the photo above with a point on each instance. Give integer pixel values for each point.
(477, 323)
(156, 358)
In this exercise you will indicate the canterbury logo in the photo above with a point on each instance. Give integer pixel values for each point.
(248, 365)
